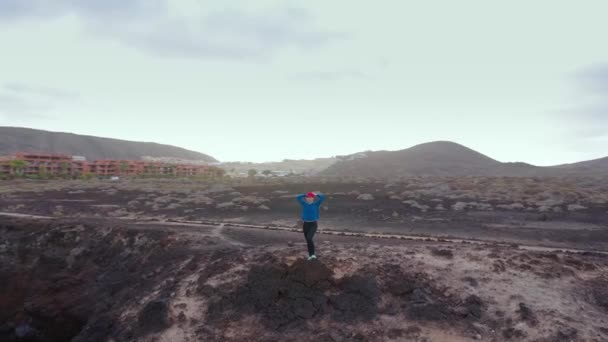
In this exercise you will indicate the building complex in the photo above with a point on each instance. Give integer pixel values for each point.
(62, 164)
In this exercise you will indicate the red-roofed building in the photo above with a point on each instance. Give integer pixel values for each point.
(61, 164)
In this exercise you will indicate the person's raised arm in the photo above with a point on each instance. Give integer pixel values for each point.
(320, 198)
(300, 198)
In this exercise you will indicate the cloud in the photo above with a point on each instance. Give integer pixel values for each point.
(152, 26)
(40, 91)
(15, 108)
(589, 118)
(232, 35)
(330, 75)
(21, 102)
(595, 79)
(24, 9)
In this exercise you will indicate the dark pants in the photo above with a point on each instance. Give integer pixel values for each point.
(310, 228)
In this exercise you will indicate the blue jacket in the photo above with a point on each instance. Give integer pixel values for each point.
(310, 212)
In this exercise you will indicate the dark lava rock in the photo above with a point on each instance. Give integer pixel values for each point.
(566, 334)
(365, 286)
(475, 306)
(281, 294)
(116, 280)
(395, 333)
(600, 294)
(265, 257)
(400, 287)
(359, 338)
(80, 303)
(97, 329)
(428, 312)
(499, 266)
(25, 332)
(402, 284)
(444, 253)
(52, 264)
(207, 291)
(413, 330)
(421, 299)
(310, 273)
(472, 281)
(527, 314)
(512, 333)
(153, 318)
(358, 300)
(284, 294)
(182, 317)
(579, 264)
(419, 296)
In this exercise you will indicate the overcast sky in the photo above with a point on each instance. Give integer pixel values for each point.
(265, 80)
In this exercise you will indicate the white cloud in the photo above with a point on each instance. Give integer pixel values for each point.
(331, 75)
(151, 26)
(41, 91)
(14, 110)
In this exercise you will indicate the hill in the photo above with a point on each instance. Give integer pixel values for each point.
(441, 158)
(585, 166)
(302, 166)
(444, 158)
(16, 139)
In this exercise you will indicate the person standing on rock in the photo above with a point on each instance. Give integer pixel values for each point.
(310, 202)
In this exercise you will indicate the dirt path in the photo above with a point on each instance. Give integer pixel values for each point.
(219, 226)
(391, 236)
(17, 215)
(217, 232)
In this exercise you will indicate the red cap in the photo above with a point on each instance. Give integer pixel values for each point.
(310, 194)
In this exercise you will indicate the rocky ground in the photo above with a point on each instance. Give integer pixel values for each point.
(106, 280)
(109, 262)
(564, 213)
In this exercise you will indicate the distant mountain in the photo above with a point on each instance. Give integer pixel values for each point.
(586, 165)
(434, 159)
(16, 139)
(440, 158)
(301, 166)
(589, 167)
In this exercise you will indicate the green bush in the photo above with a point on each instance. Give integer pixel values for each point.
(87, 176)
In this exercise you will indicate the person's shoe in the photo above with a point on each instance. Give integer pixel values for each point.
(312, 257)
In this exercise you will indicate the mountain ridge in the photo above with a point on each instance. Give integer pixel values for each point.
(446, 158)
(21, 139)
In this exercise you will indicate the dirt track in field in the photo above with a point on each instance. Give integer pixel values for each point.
(414, 214)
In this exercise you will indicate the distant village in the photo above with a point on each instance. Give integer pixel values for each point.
(37, 164)
(41, 165)
(48, 165)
